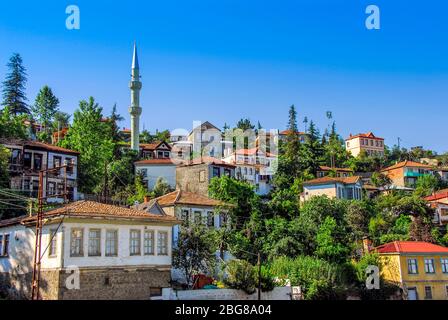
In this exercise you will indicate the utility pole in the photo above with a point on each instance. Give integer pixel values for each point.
(259, 276)
(35, 285)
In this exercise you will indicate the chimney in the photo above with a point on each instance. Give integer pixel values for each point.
(146, 199)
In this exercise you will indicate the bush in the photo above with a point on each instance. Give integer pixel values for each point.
(317, 278)
(241, 275)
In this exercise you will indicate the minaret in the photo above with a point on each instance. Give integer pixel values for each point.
(135, 85)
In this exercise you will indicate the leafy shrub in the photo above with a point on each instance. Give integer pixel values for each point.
(241, 275)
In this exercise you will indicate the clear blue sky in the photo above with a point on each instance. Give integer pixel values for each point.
(222, 60)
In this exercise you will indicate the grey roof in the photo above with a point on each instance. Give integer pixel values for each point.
(135, 64)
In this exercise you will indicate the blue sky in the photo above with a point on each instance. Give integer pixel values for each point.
(222, 60)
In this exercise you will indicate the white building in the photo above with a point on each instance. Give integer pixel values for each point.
(120, 253)
(349, 188)
(153, 169)
(254, 166)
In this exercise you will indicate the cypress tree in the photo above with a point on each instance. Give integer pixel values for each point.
(13, 91)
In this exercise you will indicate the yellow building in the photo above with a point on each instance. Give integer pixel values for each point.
(419, 268)
(368, 142)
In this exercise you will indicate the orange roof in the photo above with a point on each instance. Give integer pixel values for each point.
(439, 195)
(407, 163)
(154, 145)
(325, 168)
(186, 198)
(37, 145)
(155, 162)
(85, 208)
(410, 247)
(369, 135)
(327, 180)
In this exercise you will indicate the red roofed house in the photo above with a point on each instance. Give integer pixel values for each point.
(420, 269)
(439, 202)
(29, 157)
(349, 188)
(406, 173)
(118, 253)
(368, 142)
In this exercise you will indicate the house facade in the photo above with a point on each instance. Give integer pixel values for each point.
(439, 202)
(420, 269)
(255, 167)
(195, 176)
(349, 188)
(153, 169)
(118, 253)
(337, 172)
(28, 158)
(155, 150)
(368, 142)
(206, 140)
(406, 173)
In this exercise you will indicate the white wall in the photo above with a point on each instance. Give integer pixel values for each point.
(123, 258)
(153, 172)
(279, 293)
(21, 250)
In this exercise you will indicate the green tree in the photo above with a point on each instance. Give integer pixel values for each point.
(13, 91)
(60, 120)
(160, 188)
(12, 126)
(92, 138)
(311, 151)
(380, 179)
(45, 107)
(241, 275)
(427, 185)
(245, 124)
(358, 216)
(194, 252)
(4, 161)
(331, 242)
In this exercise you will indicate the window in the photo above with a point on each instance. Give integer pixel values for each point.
(135, 239)
(52, 250)
(6, 245)
(197, 217)
(222, 220)
(444, 263)
(202, 176)
(216, 172)
(149, 242)
(94, 242)
(76, 243)
(162, 243)
(210, 219)
(412, 266)
(37, 162)
(111, 243)
(428, 292)
(429, 265)
(70, 165)
(227, 172)
(15, 156)
(56, 161)
(166, 154)
(51, 188)
(27, 160)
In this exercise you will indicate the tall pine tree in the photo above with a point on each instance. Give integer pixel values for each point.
(13, 91)
(45, 107)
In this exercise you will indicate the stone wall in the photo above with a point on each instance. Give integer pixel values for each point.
(187, 178)
(95, 284)
(117, 283)
(279, 293)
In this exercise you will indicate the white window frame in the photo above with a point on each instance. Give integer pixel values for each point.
(429, 266)
(162, 248)
(72, 239)
(52, 243)
(415, 265)
(148, 240)
(113, 240)
(133, 246)
(90, 252)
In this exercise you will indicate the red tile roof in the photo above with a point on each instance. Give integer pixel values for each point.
(328, 180)
(286, 132)
(407, 163)
(100, 210)
(325, 168)
(410, 247)
(38, 145)
(186, 198)
(368, 135)
(155, 162)
(439, 195)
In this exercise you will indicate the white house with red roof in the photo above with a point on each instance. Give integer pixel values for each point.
(349, 188)
(118, 253)
(439, 202)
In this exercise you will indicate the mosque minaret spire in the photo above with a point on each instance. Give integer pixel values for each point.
(135, 110)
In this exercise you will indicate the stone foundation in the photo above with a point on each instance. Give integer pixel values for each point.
(95, 284)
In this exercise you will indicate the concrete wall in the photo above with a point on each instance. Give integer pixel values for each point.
(279, 293)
